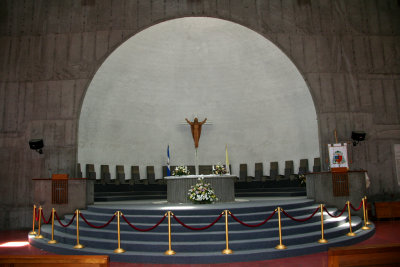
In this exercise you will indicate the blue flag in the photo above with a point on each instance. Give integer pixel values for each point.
(168, 167)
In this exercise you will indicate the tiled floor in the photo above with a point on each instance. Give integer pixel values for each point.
(386, 232)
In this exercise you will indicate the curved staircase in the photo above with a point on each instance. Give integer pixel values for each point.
(247, 243)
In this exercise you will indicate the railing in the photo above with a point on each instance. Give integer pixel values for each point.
(38, 217)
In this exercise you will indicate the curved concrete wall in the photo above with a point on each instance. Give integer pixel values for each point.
(255, 100)
(346, 51)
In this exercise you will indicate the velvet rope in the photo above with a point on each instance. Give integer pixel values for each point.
(252, 225)
(195, 228)
(44, 220)
(65, 225)
(300, 220)
(37, 215)
(143, 230)
(334, 215)
(356, 209)
(97, 226)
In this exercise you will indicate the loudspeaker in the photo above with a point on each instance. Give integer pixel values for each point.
(358, 136)
(36, 144)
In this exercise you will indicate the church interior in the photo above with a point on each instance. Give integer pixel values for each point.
(285, 111)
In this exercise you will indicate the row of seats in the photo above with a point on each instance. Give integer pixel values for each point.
(105, 175)
(289, 172)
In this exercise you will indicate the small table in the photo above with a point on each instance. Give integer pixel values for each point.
(178, 187)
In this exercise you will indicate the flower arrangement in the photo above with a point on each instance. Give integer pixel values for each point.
(202, 193)
(180, 170)
(219, 169)
(302, 179)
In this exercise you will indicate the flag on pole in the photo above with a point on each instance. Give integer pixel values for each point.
(227, 160)
(168, 166)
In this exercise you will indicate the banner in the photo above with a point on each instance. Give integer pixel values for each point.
(168, 166)
(227, 160)
(338, 156)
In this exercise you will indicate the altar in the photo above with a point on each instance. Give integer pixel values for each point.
(178, 187)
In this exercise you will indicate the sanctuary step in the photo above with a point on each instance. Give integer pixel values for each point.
(124, 192)
(192, 242)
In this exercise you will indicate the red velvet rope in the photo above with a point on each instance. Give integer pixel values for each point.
(357, 208)
(65, 225)
(195, 228)
(97, 226)
(300, 220)
(253, 225)
(334, 215)
(37, 215)
(143, 230)
(44, 220)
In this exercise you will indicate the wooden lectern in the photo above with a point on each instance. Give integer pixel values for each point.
(59, 189)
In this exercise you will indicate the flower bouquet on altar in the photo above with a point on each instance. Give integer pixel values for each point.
(180, 170)
(202, 193)
(219, 169)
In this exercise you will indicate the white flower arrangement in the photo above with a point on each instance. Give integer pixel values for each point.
(180, 170)
(202, 193)
(219, 169)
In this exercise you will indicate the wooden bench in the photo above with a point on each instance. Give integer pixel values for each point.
(54, 260)
(367, 255)
(387, 209)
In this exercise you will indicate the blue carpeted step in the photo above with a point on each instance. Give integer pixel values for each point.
(256, 254)
(297, 235)
(248, 243)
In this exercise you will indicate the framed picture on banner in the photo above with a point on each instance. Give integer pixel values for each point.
(338, 157)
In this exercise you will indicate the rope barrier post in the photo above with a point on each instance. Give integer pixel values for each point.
(33, 232)
(77, 246)
(227, 250)
(119, 249)
(322, 240)
(39, 236)
(365, 227)
(169, 251)
(351, 232)
(52, 241)
(280, 246)
(366, 212)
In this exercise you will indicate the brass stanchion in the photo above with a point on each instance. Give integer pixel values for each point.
(322, 240)
(366, 213)
(119, 249)
(227, 250)
(77, 246)
(365, 227)
(39, 236)
(52, 241)
(280, 246)
(33, 232)
(351, 232)
(169, 251)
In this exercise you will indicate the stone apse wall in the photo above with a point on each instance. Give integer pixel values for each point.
(347, 51)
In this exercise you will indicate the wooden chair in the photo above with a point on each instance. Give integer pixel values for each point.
(317, 165)
(90, 172)
(303, 169)
(120, 174)
(151, 177)
(105, 175)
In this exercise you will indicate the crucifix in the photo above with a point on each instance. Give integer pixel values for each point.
(195, 127)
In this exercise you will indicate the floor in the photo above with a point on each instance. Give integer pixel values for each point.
(386, 232)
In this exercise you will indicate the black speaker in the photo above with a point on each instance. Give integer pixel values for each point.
(36, 144)
(358, 136)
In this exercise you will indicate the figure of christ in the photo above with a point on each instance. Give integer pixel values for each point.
(195, 126)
